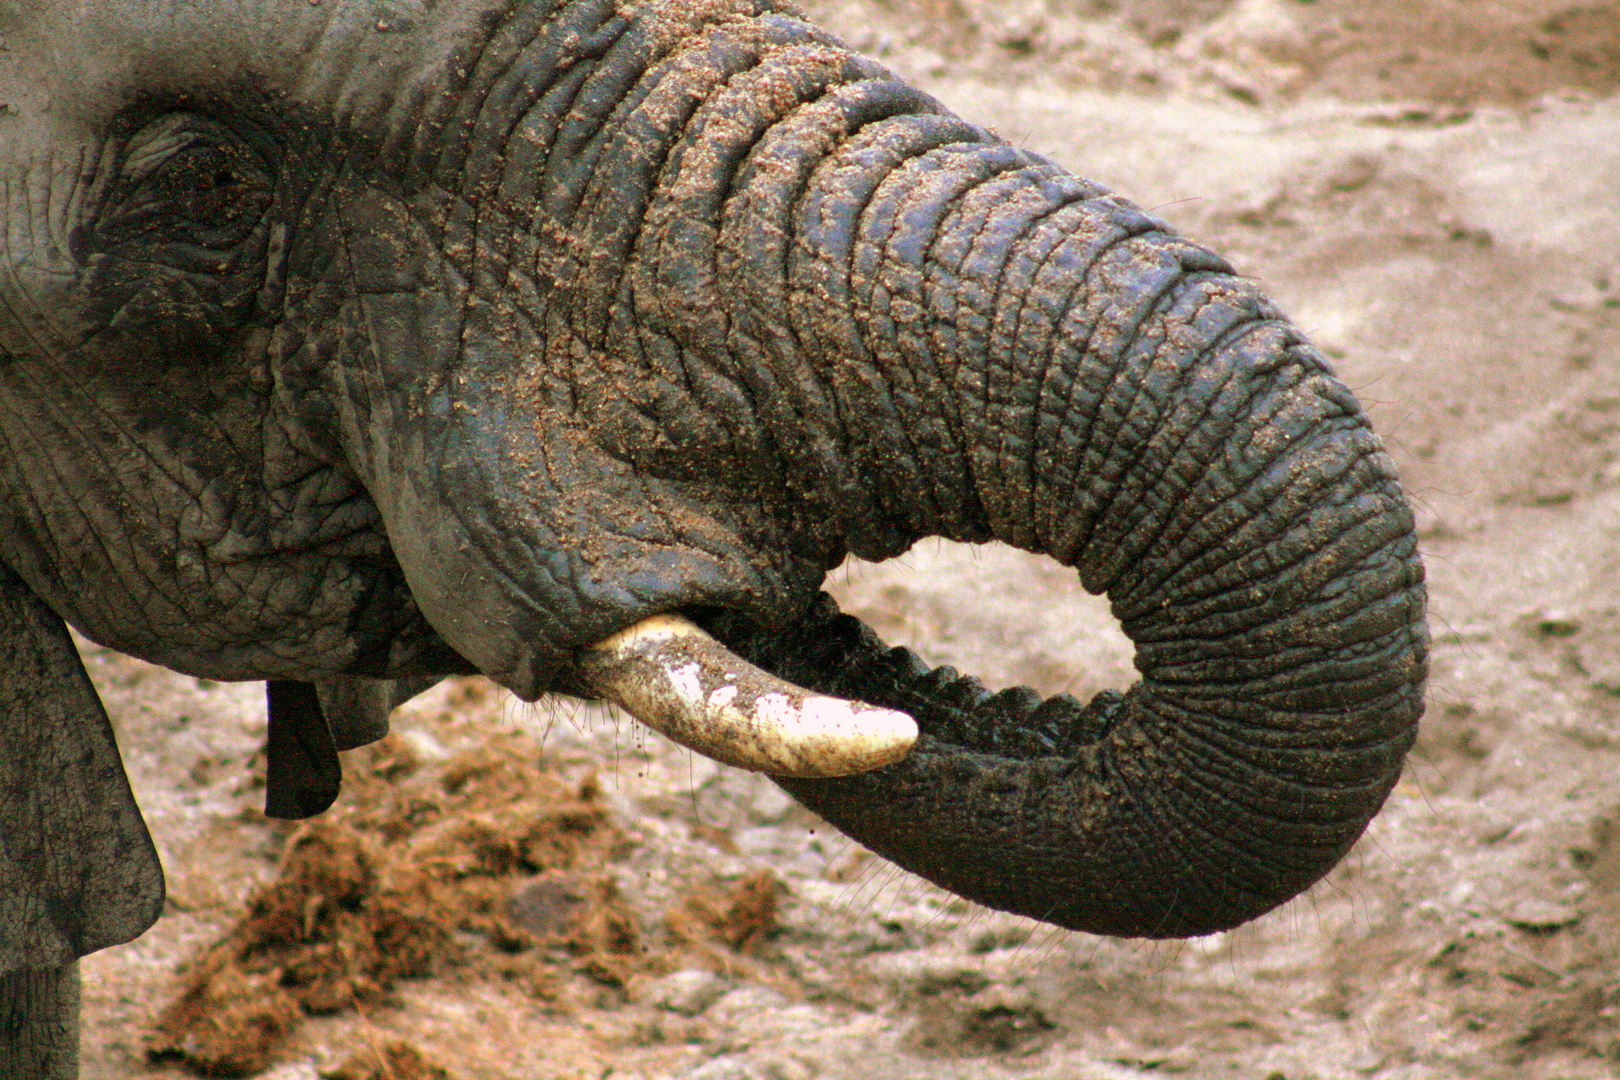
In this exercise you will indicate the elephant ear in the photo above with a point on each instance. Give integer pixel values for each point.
(77, 868)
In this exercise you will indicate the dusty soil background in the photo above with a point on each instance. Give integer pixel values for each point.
(508, 891)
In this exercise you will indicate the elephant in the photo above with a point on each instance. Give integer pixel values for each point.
(349, 346)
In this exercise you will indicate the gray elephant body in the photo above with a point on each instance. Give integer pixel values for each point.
(358, 351)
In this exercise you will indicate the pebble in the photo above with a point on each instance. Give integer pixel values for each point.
(688, 992)
(1539, 915)
(723, 1069)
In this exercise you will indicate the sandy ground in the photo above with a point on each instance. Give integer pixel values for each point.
(1430, 189)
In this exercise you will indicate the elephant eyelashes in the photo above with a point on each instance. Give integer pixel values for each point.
(173, 259)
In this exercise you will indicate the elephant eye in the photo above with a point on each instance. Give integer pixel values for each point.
(189, 180)
(172, 256)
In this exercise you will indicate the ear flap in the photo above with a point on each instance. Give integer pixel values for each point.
(77, 868)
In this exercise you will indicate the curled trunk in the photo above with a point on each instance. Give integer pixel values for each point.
(975, 345)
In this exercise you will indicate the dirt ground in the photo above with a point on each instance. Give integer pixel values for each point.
(1432, 189)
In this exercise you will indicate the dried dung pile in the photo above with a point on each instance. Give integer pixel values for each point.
(486, 858)
(493, 862)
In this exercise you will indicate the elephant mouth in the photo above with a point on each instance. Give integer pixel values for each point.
(675, 678)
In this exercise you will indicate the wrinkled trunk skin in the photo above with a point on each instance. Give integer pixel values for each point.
(942, 335)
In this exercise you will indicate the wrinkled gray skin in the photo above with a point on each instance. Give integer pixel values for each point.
(339, 347)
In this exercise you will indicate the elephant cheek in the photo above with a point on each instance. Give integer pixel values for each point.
(521, 559)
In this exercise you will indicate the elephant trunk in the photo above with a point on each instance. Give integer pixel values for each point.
(1015, 354)
(800, 311)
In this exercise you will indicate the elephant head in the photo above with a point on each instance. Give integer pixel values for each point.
(337, 345)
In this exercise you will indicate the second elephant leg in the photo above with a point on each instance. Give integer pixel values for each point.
(39, 1023)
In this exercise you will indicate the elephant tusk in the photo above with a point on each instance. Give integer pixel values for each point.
(678, 680)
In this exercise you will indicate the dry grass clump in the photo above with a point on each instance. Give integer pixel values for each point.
(420, 869)
(491, 863)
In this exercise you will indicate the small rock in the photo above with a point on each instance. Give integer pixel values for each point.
(1541, 916)
(1579, 297)
(746, 1004)
(1558, 625)
(1354, 172)
(723, 1069)
(688, 992)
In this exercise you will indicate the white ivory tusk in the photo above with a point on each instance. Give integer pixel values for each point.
(676, 679)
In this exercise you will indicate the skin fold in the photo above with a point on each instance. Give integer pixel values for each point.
(354, 352)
